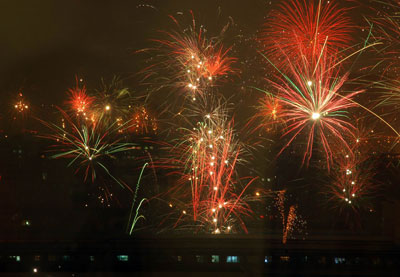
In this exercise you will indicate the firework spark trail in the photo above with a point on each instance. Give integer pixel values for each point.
(190, 61)
(301, 30)
(132, 222)
(205, 161)
(292, 221)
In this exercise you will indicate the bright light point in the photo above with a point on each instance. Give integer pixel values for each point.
(257, 193)
(211, 146)
(170, 205)
(211, 173)
(215, 220)
(315, 116)
(346, 199)
(344, 190)
(208, 116)
(212, 164)
(217, 231)
(210, 78)
(220, 206)
(188, 71)
(213, 157)
(190, 85)
(209, 131)
(213, 210)
(215, 188)
(350, 202)
(35, 270)
(357, 140)
(198, 66)
(184, 212)
(192, 57)
(107, 108)
(309, 83)
(194, 98)
(353, 182)
(229, 227)
(353, 195)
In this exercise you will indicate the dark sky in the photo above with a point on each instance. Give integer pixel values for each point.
(46, 43)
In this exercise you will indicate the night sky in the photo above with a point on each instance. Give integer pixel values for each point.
(46, 45)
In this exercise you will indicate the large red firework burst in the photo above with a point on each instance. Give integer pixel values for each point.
(300, 29)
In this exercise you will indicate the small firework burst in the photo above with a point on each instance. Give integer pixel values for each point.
(79, 101)
(188, 61)
(88, 146)
(21, 106)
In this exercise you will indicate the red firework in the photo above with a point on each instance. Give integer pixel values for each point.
(79, 100)
(301, 29)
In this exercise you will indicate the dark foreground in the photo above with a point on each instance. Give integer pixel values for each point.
(204, 256)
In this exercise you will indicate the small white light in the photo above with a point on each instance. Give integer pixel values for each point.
(309, 83)
(315, 116)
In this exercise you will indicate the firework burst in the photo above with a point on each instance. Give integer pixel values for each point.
(79, 101)
(301, 30)
(88, 147)
(205, 161)
(190, 62)
(21, 106)
(351, 180)
(313, 103)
